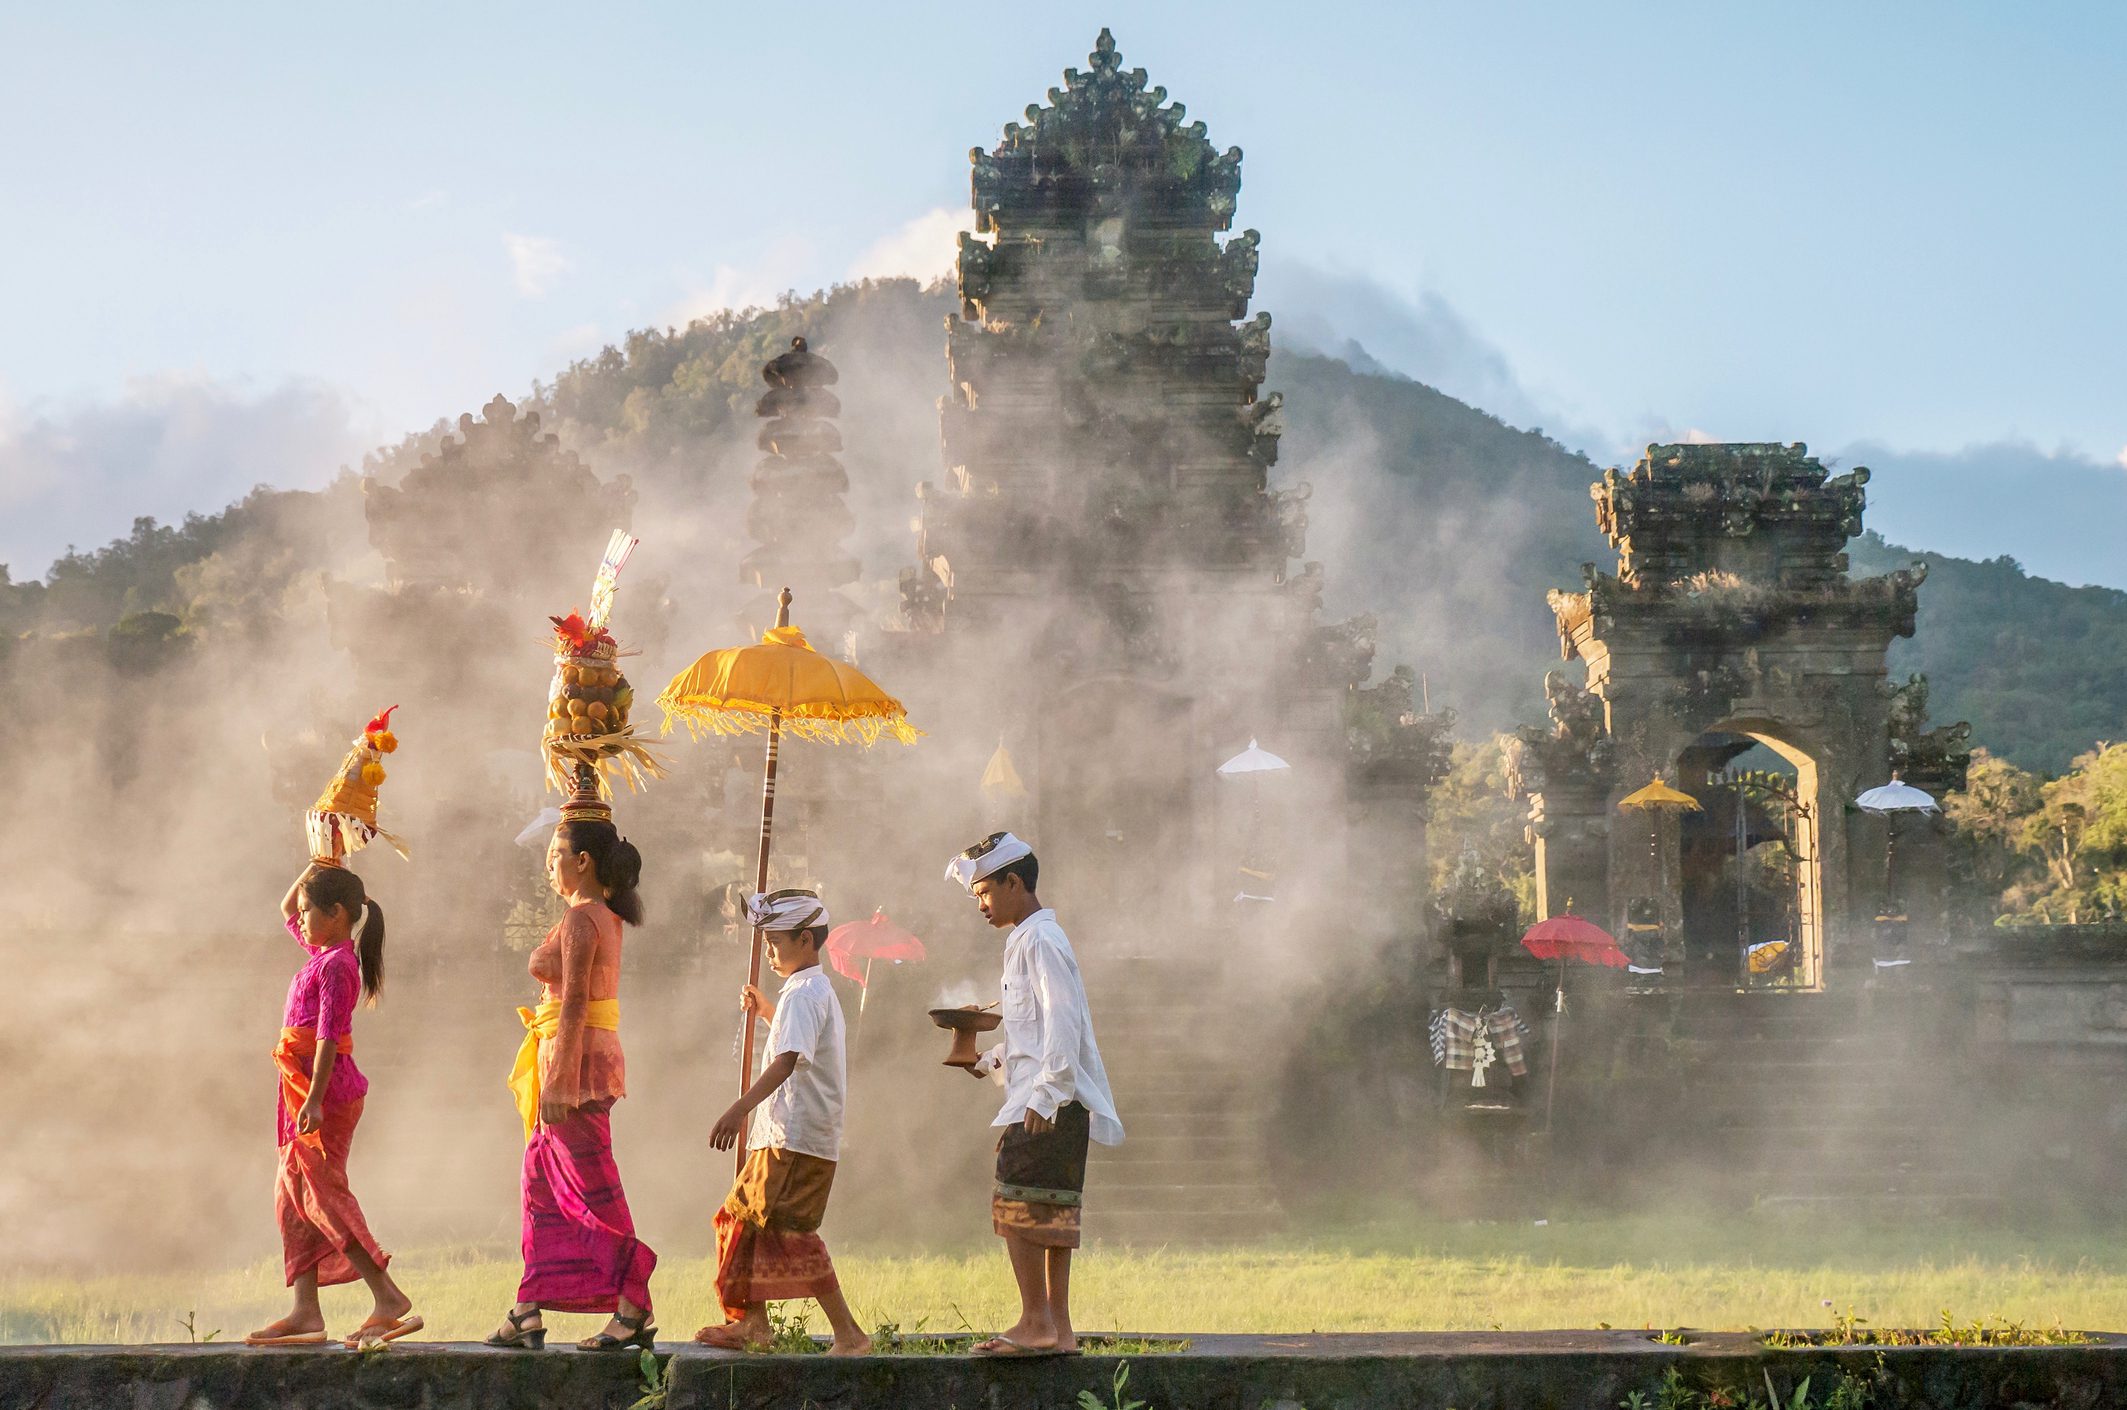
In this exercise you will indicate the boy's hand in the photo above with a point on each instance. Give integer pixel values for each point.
(311, 1115)
(1036, 1123)
(725, 1134)
(752, 1000)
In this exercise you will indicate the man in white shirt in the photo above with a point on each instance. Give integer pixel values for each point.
(1056, 1095)
(768, 1246)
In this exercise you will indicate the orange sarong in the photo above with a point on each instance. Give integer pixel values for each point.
(319, 1218)
(768, 1248)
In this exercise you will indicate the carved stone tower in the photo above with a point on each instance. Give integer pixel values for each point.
(1106, 529)
(798, 516)
(1730, 623)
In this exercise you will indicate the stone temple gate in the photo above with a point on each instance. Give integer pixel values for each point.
(1732, 656)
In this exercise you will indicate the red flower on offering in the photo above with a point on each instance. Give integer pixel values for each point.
(574, 632)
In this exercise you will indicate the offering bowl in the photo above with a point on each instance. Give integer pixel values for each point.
(964, 1024)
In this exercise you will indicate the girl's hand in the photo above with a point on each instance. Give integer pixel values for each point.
(311, 1116)
(552, 1113)
(752, 1000)
(725, 1134)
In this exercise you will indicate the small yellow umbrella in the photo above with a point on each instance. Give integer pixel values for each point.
(1654, 800)
(781, 686)
(1660, 795)
(1000, 779)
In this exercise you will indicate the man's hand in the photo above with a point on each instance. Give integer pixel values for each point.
(752, 1000)
(725, 1134)
(1036, 1123)
(311, 1115)
(552, 1113)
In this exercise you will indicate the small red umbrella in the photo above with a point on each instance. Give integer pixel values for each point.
(1568, 937)
(868, 940)
(1562, 938)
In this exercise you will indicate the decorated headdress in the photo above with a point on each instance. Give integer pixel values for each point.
(794, 909)
(992, 854)
(588, 738)
(344, 819)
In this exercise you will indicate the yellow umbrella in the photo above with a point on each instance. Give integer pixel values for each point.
(1654, 800)
(1000, 778)
(1660, 795)
(781, 686)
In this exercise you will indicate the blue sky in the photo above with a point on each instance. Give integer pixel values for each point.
(244, 241)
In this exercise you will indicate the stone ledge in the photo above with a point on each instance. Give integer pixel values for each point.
(1408, 1371)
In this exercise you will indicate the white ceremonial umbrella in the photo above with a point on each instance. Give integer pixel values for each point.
(1253, 760)
(538, 826)
(1896, 797)
(1252, 763)
(1891, 802)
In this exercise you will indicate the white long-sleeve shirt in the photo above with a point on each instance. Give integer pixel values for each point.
(1048, 1053)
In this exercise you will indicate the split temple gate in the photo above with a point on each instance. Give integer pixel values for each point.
(1107, 594)
(1729, 632)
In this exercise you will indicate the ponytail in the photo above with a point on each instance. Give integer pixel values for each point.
(616, 861)
(369, 949)
(337, 886)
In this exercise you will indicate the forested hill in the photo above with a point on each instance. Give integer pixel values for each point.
(1442, 520)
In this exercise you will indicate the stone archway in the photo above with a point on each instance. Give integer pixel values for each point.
(1750, 864)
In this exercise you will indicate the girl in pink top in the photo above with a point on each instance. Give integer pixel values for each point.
(324, 1238)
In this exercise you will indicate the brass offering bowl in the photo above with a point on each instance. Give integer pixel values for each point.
(964, 1024)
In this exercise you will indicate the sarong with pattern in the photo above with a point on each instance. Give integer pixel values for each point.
(317, 1212)
(1041, 1180)
(580, 1249)
(767, 1245)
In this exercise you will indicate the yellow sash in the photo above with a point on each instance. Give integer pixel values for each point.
(540, 1025)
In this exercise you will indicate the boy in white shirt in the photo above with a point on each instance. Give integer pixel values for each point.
(1056, 1095)
(768, 1247)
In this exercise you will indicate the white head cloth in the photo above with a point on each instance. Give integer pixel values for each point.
(998, 850)
(785, 910)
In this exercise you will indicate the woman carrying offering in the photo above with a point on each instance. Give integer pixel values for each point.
(580, 1249)
(324, 1239)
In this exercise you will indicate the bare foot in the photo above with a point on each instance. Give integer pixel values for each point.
(746, 1334)
(295, 1324)
(390, 1309)
(858, 1345)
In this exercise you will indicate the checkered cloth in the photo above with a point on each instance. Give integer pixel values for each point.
(1454, 1038)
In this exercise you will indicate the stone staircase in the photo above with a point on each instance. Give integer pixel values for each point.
(1198, 1111)
(1818, 1100)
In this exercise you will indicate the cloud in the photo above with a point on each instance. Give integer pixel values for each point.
(923, 249)
(2057, 512)
(170, 445)
(2121, 459)
(536, 261)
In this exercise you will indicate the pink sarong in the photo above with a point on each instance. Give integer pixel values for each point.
(580, 1249)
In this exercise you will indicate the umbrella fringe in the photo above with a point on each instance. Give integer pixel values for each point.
(864, 724)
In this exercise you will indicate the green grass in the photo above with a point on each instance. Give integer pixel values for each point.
(1687, 1271)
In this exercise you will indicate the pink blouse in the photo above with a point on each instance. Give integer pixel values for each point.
(322, 998)
(580, 961)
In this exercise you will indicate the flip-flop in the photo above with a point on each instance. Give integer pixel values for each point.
(374, 1333)
(317, 1338)
(1019, 1350)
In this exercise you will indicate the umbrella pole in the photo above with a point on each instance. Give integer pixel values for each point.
(1558, 1025)
(760, 884)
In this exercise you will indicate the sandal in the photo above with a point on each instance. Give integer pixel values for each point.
(519, 1339)
(376, 1333)
(640, 1334)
